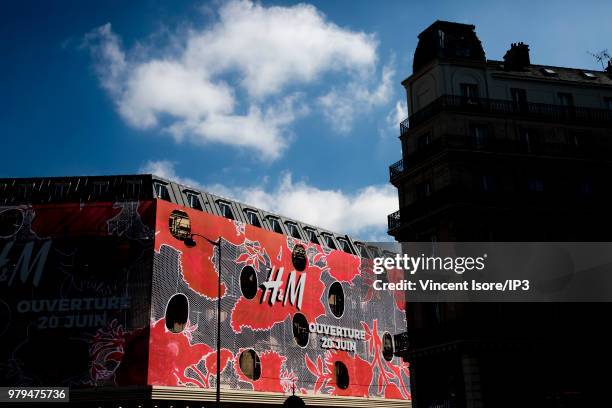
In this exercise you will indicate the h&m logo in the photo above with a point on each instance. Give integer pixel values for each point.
(293, 291)
(29, 262)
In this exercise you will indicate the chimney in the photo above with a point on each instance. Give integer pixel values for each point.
(517, 57)
(609, 68)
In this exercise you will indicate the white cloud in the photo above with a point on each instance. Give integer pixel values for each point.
(272, 47)
(165, 169)
(397, 115)
(111, 65)
(342, 105)
(237, 81)
(362, 213)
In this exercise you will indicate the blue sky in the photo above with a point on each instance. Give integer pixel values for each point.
(289, 106)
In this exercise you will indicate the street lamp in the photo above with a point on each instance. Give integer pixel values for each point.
(190, 243)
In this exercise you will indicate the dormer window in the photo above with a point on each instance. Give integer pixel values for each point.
(548, 72)
(252, 218)
(161, 191)
(329, 241)
(226, 209)
(193, 201)
(293, 229)
(361, 250)
(374, 251)
(589, 75)
(312, 235)
(344, 245)
(99, 188)
(275, 224)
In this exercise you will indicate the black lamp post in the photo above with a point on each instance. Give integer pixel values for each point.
(190, 242)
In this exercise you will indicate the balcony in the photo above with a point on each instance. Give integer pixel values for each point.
(535, 111)
(535, 146)
(457, 196)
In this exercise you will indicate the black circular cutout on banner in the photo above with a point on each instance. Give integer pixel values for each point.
(248, 282)
(300, 329)
(335, 299)
(298, 257)
(177, 313)
(250, 365)
(341, 375)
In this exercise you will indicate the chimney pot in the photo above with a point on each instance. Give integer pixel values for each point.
(517, 57)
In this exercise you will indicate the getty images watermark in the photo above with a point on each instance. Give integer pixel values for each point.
(495, 271)
(458, 265)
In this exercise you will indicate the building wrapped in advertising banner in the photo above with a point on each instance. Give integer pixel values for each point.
(108, 285)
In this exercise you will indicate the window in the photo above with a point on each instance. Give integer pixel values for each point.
(329, 241)
(226, 209)
(479, 134)
(586, 187)
(132, 188)
(362, 251)
(535, 184)
(469, 92)
(193, 201)
(441, 41)
(179, 225)
(387, 346)
(252, 218)
(574, 138)
(527, 138)
(423, 189)
(341, 375)
(589, 75)
(298, 258)
(61, 189)
(300, 329)
(488, 183)
(344, 245)
(424, 140)
(248, 282)
(548, 72)
(293, 229)
(161, 191)
(335, 298)
(519, 99)
(462, 51)
(177, 313)
(374, 251)
(99, 188)
(250, 365)
(608, 103)
(275, 224)
(566, 99)
(312, 235)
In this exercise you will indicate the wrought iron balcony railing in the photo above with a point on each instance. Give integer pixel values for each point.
(396, 169)
(454, 195)
(538, 111)
(534, 146)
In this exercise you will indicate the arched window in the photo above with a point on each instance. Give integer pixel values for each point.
(250, 364)
(248, 282)
(335, 299)
(341, 375)
(300, 329)
(177, 313)
(387, 346)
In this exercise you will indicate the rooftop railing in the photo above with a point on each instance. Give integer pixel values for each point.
(538, 111)
(535, 145)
